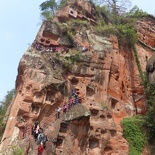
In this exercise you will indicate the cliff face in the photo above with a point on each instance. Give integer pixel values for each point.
(104, 74)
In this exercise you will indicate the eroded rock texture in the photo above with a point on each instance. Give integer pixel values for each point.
(105, 76)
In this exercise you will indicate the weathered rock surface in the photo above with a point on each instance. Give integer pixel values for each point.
(106, 79)
(146, 29)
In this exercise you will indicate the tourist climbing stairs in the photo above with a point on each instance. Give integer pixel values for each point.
(55, 128)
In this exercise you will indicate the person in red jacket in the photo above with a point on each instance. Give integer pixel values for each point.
(40, 149)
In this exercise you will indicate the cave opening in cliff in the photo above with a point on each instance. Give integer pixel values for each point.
(102, 116)
(113, 103)
(34, 108)
(50, 96)
(107, 149)
(90, 91)
(103, 131)
(59, 141)
(74, 81)
(42, 40)
(63, 127)
(109, 116)
(71, 12)
(93, 143)
(112, 132)
(94, 112)
(123, 88)
(47, 41)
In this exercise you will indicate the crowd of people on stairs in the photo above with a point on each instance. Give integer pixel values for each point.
(38, 133)
(40, 137)
(73, 100)
(51, 49)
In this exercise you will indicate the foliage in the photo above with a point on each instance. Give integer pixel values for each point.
(149, 124)
(127, 35)
(105, 30)
(121, 25)
(63, 3)
(48, 8)
(67, 62)
(73, 58)
(67, 31)
(103, 14)
(132, 131)
(99, 9)
(3, 108)
(136, 12)
(70, 28)
(115, 7)
(17, 150)
(78, 22)
(8, 98)
(149, 89)
(47, 15)
(138, 64)
(2, 123)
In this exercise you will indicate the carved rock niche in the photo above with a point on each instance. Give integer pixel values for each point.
(93, 143)
(74, 81)
(90, 91)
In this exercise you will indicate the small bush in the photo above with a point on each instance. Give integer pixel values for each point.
(149, 124)
(133, 133)
(77, 23)
(105, 30)
(127, 35)
(73, 58)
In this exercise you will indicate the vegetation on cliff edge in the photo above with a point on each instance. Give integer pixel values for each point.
(134, 133)
(149, 89)
(114, 18)
(3, 108)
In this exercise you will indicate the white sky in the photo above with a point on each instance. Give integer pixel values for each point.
(19, 24)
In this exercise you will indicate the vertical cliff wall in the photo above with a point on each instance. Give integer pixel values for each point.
(104, 74)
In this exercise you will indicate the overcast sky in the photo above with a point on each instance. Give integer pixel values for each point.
(19, 24)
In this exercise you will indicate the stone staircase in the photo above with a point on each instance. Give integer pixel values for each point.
(56, 132)
(48, 120)
(33, 146)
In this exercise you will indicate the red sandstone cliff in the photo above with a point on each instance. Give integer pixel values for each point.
(105, 76)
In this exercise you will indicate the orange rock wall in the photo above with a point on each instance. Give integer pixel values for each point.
(106, 78)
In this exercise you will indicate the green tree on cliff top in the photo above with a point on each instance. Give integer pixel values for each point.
(48, 9)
